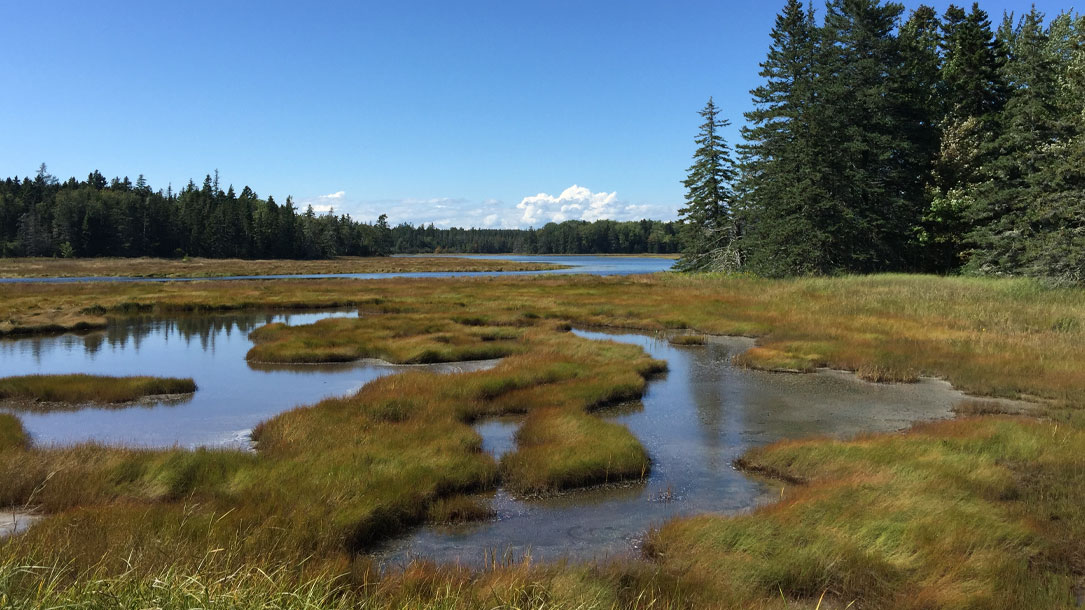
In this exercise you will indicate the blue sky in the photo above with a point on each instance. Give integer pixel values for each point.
(460, 113)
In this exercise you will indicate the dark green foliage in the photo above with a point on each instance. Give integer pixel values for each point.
(96, 217)
(42, 217)
(786, 210)
(708, 224)
(973, 91)
(929, 144)
(1026, 214)
(569, 237)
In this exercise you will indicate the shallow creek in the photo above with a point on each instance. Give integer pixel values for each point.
(232, 396)
(694, 421)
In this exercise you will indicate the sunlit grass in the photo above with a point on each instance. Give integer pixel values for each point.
(985, 512)
(976, 513)
(402, 339)
(217, 267)
(42, 392)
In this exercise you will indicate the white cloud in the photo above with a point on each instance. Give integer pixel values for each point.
(574, 203)
(578, 203)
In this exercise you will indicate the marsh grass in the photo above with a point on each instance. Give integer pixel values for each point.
(949, 515)
(44, 392)
(216, 267)
(400, 339)
(983, 512)
(337, 477)
(988, 337)
(461, 509)
(12, 433)
(687, 339)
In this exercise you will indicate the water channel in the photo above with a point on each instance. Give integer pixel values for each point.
(694, 421)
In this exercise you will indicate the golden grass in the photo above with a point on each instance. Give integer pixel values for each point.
(994, 337)
(976, 513)
(43, 392)
(984, 512)
(687, 340)
(218, 267)
(334, 478)
(402, 339)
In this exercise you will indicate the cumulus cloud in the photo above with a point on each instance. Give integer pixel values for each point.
(574, 203)
(577, 203)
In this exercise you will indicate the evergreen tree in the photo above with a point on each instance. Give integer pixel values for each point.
(785, 206)
(710, 230)
(973, 91)
(873, 161)
(1003, 236)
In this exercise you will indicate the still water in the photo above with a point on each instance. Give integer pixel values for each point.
(694, 421)
(232, 396)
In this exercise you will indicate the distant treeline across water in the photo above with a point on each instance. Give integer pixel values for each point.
(42, 216)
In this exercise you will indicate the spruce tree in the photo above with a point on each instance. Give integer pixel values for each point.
(709, 229)
(1059, 212)
(873, 164)
(784, 204)
(973, 90)
(1003, 236)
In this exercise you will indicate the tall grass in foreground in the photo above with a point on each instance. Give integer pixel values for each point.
(27, 390)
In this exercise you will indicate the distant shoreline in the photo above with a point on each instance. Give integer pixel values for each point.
(674, 256)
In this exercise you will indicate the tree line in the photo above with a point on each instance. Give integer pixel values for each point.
(42, 216)
(935, 143)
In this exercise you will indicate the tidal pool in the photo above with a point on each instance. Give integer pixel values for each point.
(233, 395)
(694, 422)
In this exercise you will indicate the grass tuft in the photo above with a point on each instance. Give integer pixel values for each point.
(42, 392)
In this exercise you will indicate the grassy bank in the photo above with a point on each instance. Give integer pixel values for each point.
(334, 478)
(995, 337)
(215, 267)
(983, 512)
(35, 392)
(402, 339)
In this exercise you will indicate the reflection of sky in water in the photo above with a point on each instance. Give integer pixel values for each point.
(696, 420)
(231, 399)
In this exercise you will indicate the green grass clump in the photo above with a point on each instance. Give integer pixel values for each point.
(460, 509)
(29, 390)
(687, 340)
(12, 433)
(397, 338)
(564, 450)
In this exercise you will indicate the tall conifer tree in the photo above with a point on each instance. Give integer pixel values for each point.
(1029, 125)
(973, 91)
(873, 162)
(707, 216)
(785, 205)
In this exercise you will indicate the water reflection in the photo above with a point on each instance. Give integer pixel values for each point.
(696, 420)
(232, 396)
